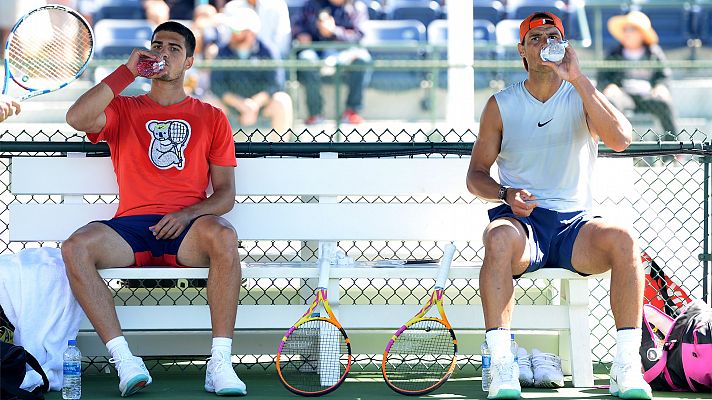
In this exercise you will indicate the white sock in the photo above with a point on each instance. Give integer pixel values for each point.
(223, 346)
(118, 347)
(628, 344)
(499, 343)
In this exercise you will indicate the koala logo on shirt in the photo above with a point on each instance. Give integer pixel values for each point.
(168, 142)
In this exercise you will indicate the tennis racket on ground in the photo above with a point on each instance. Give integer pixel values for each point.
(422, 354)
(48, 48)
(314, 356)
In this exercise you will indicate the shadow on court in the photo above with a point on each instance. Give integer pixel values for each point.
(363, 386)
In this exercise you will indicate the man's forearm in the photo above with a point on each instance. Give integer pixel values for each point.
(608, 122)
(219, 203)
(483, 186)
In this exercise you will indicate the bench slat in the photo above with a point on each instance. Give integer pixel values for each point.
(277, 176)
(196, 318)
(282, 221)
(258, 270)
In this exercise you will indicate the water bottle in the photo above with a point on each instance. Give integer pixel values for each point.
(72, 387)
(515, 349)
(486, 360)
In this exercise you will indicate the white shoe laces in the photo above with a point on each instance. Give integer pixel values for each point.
(525, 362)
(546, 360)
(118, 362)
(219, 362)
(504, 371)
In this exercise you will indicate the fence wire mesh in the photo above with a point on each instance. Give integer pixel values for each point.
(668, 195)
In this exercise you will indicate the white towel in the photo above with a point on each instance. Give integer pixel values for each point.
(35, 295)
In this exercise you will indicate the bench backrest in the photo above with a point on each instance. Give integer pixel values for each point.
(423, 180)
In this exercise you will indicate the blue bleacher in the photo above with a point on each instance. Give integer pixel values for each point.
(606, 12)
(672, 23)
(490, 10)
(118, 9)
(520, 9)
(507, 34)
(484, 34)
(118, 37)
(404, 32)
(703, 24)
(425, 11)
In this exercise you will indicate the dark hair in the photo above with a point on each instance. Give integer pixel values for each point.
(177, 27)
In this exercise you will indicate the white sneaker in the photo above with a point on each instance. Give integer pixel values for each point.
(547, 370)
(526, 374)
(627, 381)
(221, 379)
(504, 380)
(133, 374)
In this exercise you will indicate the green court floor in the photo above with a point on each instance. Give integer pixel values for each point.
(359, 386)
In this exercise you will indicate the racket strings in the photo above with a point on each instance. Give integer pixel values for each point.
(50, 46)
(420, 356)
(314, 357)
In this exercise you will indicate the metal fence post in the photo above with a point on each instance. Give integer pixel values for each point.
(705, 256)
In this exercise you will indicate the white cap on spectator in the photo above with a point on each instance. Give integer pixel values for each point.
(241, 18)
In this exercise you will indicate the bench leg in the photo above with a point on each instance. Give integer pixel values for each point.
(577, 294)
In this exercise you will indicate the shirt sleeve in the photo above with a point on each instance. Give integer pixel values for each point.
(113, 118)
(222, 149)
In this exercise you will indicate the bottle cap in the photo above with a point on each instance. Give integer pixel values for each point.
(72, 342)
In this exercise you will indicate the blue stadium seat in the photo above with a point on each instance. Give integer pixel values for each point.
(118, 37)
(606, 12)
(484, 33)
(406, 32)
(490, 10)
(424, 11)
(118, 9)
(507, 34)
(672, 23)
(295, 9)
(520, 9)
(704, 24)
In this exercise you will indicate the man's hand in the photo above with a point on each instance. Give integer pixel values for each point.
(132, 62)
(249, 113)
(568, 69)
(326, 26)
(304, 38)
(521, 201)
(171, 225)
(8, 107)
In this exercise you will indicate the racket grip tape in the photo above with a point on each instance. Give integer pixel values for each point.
(445, 266)
(120, 79)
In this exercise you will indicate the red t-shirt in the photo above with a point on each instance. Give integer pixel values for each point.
(161, 155)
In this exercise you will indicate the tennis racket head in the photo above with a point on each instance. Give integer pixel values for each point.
(420, 356)
(314, 357)
(48, 48)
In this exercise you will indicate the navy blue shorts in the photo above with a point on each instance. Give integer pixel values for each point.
(146, 248)
(551, 235)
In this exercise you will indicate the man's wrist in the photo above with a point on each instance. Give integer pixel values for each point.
(502, 195)
(120, 79)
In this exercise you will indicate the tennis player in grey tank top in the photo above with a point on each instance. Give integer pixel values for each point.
(543, 134)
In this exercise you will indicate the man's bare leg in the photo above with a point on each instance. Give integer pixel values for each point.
(601, 246)
(212, 241)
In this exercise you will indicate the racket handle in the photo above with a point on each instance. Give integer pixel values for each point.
(444, 268)
(324, 265)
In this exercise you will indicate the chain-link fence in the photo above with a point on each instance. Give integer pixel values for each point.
(670, 195)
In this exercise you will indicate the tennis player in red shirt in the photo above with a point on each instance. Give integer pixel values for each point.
(166, 147)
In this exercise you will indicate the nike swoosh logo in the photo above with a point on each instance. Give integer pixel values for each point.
(539, 124)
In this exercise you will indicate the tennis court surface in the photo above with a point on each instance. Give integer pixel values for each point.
(359, 386)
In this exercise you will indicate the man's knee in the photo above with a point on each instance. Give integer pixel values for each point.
(619, 242)
(281, 102)
(221, 235)
(75, 251)
(502, 237)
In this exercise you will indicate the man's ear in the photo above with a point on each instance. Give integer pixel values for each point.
(520, 48)
(189, 62)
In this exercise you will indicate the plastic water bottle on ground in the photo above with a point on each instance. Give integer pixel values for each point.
(72, 387)
(515, 349)
(486, 360)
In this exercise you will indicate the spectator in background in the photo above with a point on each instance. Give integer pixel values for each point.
(641, 89)
(333, 21)
(180, 9)
(157, 11)
(250, 92)
(276, 30)
(8, 107)
(197, 80)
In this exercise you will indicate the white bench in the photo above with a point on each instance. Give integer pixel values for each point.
(78, 179)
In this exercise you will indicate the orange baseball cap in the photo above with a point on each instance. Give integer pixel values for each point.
(538, 19)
